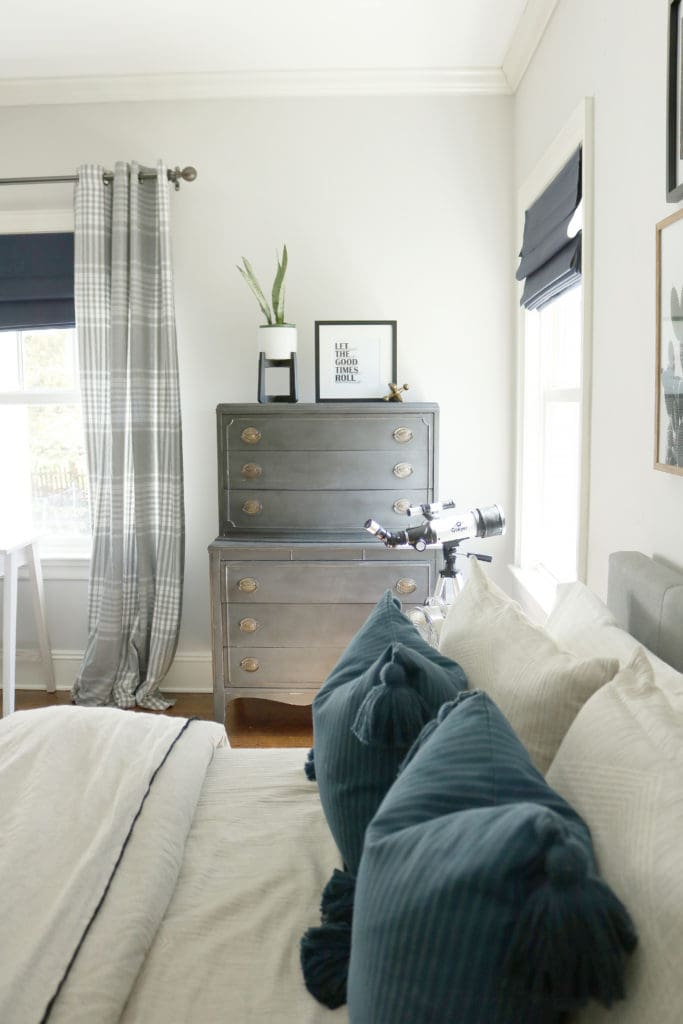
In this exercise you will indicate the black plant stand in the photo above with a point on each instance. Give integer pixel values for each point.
(264, 364)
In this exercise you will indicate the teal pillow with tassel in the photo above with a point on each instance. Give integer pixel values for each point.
(371, 708)
(386, 686)
(477, 898)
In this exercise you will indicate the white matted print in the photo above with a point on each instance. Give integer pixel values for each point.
(669, 395)
(354, 360)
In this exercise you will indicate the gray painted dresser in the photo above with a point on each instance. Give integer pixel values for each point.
(293, 573)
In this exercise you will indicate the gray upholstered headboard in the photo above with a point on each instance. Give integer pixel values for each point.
(646, 598)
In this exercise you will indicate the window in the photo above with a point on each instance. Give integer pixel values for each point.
(551, 448)
(42, 457)
(554, 364)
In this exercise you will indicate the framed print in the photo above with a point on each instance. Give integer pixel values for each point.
(669, 396)
(355, 360)
(674, 115)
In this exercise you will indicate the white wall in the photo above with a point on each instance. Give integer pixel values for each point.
(391, 208)
(616, 52)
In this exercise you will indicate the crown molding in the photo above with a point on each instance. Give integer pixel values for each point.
(528, 34)
(236, 84)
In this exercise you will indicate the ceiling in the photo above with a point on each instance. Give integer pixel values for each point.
(486, 43)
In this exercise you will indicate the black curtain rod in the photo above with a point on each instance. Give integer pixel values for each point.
(175, 175)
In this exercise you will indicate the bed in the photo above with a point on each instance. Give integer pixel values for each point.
(149, 873)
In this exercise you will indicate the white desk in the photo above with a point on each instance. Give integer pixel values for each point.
(14, 553)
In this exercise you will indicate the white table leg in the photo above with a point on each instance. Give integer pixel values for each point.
(36, 574)
(9, 632)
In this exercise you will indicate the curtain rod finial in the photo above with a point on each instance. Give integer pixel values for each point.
(187, 174)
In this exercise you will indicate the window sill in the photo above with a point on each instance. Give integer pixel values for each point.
(62, 566)
(538, 590)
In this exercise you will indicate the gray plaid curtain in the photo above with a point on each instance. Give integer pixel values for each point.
(131, 405)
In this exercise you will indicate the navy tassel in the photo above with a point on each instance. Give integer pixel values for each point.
(309, 765)
(393, 712)
(568, 942)
(337, 898)
(325, 953)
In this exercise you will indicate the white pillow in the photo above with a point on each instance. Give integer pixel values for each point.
(621, 767)
(581, 623)
(537, 686)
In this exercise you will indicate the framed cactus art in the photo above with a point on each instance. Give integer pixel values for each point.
(669, 378)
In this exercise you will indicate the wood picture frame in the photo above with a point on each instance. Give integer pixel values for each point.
(674, 102)
(669, 346)
(355, 360)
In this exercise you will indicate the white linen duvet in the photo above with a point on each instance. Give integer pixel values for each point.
(149, 873)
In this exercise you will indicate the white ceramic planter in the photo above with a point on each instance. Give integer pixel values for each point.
(276, 342)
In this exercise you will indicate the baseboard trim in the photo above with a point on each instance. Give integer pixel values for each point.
(190, 672)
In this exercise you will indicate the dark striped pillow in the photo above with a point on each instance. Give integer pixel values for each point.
(387, 684)
(477, 899)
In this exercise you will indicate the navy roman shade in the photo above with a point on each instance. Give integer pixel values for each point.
(36, 281)
(551, 260)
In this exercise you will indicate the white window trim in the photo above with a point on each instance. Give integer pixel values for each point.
(72, 562)
(577, 132)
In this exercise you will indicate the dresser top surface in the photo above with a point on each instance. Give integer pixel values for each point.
(321, 408)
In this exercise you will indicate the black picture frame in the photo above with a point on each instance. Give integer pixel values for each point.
(674, 103)
(355, 360)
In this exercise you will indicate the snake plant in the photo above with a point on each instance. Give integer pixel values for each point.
(275, 315)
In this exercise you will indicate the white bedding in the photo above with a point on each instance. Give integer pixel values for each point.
(150, 874)
(256, 860)
(91, 843)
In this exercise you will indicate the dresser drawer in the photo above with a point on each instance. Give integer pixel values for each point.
(321, 471)
(292, 625)
(280, 667)
(326, 511)
(255, 583)
(325, 430)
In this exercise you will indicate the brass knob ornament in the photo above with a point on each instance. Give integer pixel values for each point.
(395, 393)
(251, 470)
(402, 435)
(247, 585)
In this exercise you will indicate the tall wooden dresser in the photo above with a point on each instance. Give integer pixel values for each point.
(293, 572)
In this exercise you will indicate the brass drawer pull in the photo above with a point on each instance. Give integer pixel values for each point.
(402, 470)
(252, 507)
(249, 625)
(251, 435)
(406, 586)
(403, 435)
(251, 470)
(400, 506)
(247, 585)
(250, 664)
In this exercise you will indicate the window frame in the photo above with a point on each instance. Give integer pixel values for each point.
(538, 584)
(68, 561)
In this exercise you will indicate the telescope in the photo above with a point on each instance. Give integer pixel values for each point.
(441, 529)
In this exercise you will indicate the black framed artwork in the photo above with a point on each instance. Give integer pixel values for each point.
(355, 360)
(674, 116)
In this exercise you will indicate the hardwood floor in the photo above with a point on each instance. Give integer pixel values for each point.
(249, 723)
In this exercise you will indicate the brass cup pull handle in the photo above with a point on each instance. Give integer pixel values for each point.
(247, 585)
(406, 586)
(251, 435)
(250, 664)
(252, 507)
(249, 625)
(402, 470)
(403, 435)
(400, 506)
(251, 470)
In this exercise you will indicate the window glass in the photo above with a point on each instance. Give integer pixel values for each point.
(42, 459)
